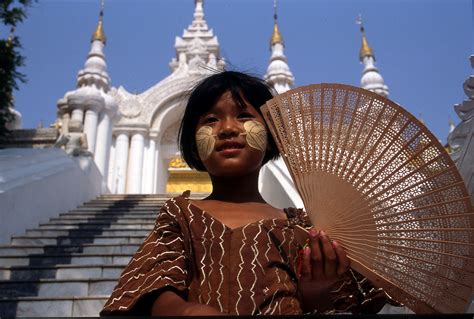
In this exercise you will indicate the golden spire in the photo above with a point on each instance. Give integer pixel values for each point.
(99, 31)
(276, 36)
(365, 49)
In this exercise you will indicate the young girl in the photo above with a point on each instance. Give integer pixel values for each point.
(233, 253)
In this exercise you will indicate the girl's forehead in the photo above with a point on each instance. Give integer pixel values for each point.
(229, 101)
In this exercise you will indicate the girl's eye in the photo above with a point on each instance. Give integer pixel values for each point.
(210, 119)
(245, 115)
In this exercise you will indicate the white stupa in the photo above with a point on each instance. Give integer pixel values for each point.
(278, 72)
(371, 79)
(91, 104)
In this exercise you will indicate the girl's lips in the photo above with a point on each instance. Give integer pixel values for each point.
(230, 151)
(228, 146)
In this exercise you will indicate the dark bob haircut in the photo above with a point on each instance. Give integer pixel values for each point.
(206, 94)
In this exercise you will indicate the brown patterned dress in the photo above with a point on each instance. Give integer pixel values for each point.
(249, 270)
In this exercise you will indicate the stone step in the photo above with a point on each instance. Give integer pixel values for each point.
(100, 221)
(61, 272)
(122, 205)
(113, 203)
(102, 218)
(56, 287)
(69, 265)
(90, 232)
(118, 209)
(97, 226)
(134, 196)
(105, 216)
(67, 240)
(61, 259)
(9, 250)
(87, 306)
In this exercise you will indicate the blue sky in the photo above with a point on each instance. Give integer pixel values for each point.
(421, 47)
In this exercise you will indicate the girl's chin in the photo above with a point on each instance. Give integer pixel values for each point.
(231, 168)
(228, 164)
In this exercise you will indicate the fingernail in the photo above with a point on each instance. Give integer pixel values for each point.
(313, 232)
(334, 244)
(322, 233)
(307, 251)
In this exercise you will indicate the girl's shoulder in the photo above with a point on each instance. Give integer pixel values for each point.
(175, 206)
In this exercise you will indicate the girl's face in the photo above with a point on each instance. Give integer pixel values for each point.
(231, 139)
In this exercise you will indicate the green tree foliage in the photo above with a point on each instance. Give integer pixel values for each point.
(12, 12)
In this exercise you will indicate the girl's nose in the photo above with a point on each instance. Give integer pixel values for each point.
(229, 128)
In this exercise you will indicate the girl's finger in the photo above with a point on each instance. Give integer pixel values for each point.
(305, 266)
(330, 258)
(343, 262)
(317, 267)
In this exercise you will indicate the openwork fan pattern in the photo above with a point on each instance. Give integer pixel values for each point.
(372, 176)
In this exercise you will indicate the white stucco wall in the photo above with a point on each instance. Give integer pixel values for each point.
(37, 184)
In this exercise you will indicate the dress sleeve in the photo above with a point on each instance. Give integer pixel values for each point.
(160, 263)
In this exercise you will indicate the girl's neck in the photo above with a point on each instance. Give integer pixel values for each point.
(236, 189)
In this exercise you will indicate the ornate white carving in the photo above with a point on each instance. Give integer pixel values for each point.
(197, 42)
(465, 110)
(461, 139)
(130, 108)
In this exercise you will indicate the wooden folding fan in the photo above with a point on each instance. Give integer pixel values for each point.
(376, 180)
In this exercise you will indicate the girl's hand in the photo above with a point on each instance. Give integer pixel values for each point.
(323, 263)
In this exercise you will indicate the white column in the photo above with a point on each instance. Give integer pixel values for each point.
(145, 167)
(77, 115)
(65, 118)
(111, 174)
(157, 162)
(90, 128)
(102, 147)
(135, 165)
(121, 162)
(151, 162)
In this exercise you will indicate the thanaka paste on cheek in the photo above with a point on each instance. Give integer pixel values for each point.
(256, 135)
(205, 142)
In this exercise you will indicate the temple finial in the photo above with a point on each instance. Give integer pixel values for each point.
(276, 36)
(365, 49)
(99, 34)
(198, 10)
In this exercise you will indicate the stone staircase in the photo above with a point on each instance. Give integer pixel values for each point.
(69, 266)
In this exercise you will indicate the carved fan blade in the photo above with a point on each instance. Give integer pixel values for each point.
(374, 177)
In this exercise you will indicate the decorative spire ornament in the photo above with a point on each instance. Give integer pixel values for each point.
(198, 10)
(371, 79)
(365, 49)
(99, 34)
(278, 73)
(276, 36)
(95, 68)
(90, 104)
(197, 50)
